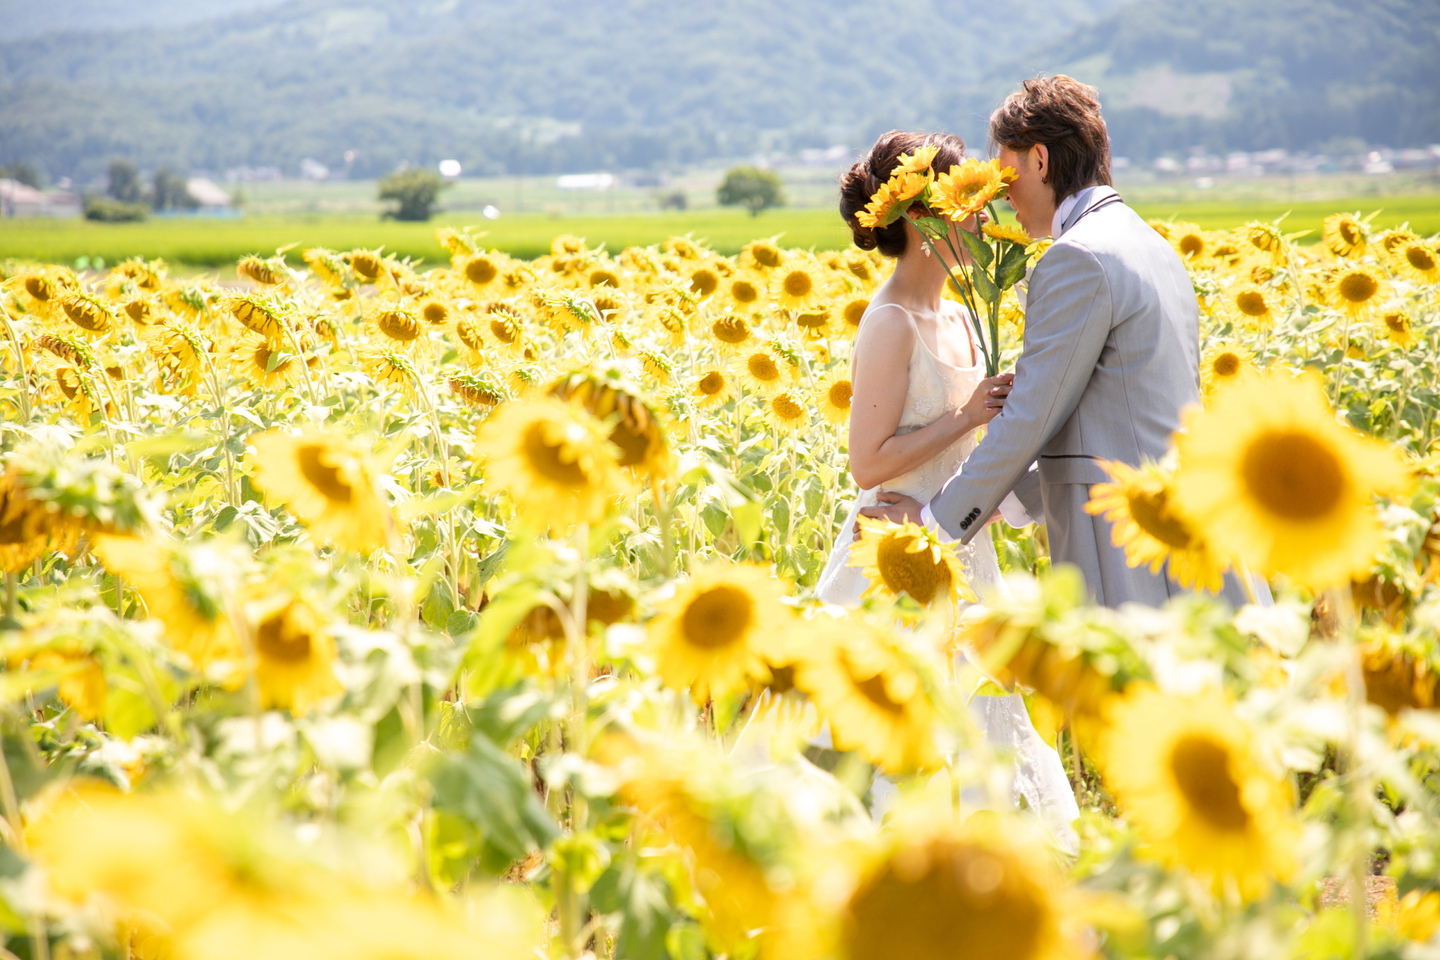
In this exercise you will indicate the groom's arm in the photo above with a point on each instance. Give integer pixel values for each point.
(1067, 321)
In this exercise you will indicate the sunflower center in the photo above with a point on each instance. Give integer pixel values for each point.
(1261, 274)
(547, 458)
(480, 271)
(604, 278)
(503, 330)
(797, 283)
(1151, 511)
(397, 325)
(744, 291)
(1396, 322)
(1349, 232)
(704, 282)
(731, 330)
(712, 383)
(840, 394)
(1420, 258)
(1192, 244)
(1293, 475)
(366, 266)
(787, 407)
(763, 368)
(1226, 365)
(321, 475)
(872, 688)
(1252, 303)
(436, 313)
(718, 617)
(855, 311)
(38, 287)
(958, 900)
(813, 321)
(1202, 772)
(278, 639)
(917, 574)
(1358, 287)
(766, 255)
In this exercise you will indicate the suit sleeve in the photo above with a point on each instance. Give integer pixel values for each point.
(1067, 321)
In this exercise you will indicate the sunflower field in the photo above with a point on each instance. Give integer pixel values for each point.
(357, 611)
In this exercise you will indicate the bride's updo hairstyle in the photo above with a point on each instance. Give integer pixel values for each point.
(861, 181)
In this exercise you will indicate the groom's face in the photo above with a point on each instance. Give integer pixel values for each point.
(1032, 200)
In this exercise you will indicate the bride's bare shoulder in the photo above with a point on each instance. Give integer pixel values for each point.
(886, 318)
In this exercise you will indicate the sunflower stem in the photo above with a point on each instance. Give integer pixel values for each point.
(20, 359)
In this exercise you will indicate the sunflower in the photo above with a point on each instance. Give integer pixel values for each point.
(89, 313)
(294, 658)
(1137, 503)
(1397, 679)
(744, 293)
(1397, 325)
(872, 691)
(852, 313)
(260, 364)
(553, 459)
(917, 162)
(180, 591)
(480, 270)
(477, 389)
(389, 368)
(1344, 235)
(82, 685)
(1224, 364)
(1262, 239)
(730, 332)
(1189, 241)
(1271, 478)
(637, 433)
(603, 277)
(711, 636)
(892, 199)
(765, 373)
(796, 287)
(762, 255)
(323, 480)
(704, 281)
(834, 396)
(1357, 290)
(1010, 233)
(657, 366)
(1185, 771)
(1417, 260)
(907, 558)
(967, 187)
(712, 388)
(814, 324)
(1250, 306)
(786, 411)
(29, 530)
(941, 892)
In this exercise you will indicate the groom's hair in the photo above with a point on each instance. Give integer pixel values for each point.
(1064, 114)
(859, 183)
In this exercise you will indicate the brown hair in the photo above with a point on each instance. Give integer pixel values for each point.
(859, 183)
(1064, 114)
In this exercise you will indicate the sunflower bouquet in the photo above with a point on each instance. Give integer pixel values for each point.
(996, 255)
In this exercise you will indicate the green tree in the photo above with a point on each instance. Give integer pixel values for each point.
(21, 173)
(170, 191)
(414, 191)
(751, 188)
(125, 183)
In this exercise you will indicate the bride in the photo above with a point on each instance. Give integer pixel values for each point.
(919, 395)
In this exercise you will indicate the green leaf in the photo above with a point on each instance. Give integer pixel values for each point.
(749, 519)
(985, 288)
(1012, 267)
(509, 714)
(716, 517)
(642, 899)
(933, 227)
(489, 788)
(979, 249)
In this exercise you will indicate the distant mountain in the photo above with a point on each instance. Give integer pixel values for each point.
(564, 85)
(503, 84)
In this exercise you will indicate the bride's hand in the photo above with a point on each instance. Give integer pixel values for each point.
(988, 399)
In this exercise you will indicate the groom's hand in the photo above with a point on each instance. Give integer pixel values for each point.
(895, 507)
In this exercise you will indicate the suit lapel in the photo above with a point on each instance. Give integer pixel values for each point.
(1090, 198)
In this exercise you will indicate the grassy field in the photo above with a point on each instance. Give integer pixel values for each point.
(215, 243)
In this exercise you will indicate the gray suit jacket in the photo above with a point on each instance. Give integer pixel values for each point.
(1110, 358)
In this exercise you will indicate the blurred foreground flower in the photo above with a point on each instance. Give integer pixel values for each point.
(324, 481)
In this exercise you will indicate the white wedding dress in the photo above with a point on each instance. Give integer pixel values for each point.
(934, 387)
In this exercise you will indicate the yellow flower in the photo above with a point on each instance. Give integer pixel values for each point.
(765, 373)
(1269, 477)
(1225, 364)
(744, 293)
(1344, 235)
(389, 368)
(796, 286)
(480, 270)
(1397, 679)
(852, 313)
(762, 255)
(834, 396)
(871, 690)
(1263, 239)
(188, 597)
(1250, 306)
(1397, 325)
(704, 281)
(1184, 770)
(323, 480)
(554, 461)
(942, 892)
(711, 636)
(295, 657)
(892, 199)
(917, 162)
(1417, 260)
(637, 433)
(260, 315)
(907, 558)
(82, 686)
(260, 364)
(1011, 233)
(814, 324)
(730, 332)
(1189, 241)
(712, 388)
(1358, 290)
(967, 187)
(29, 530)
(787, 412)
(1138, 505)
(1416, 917)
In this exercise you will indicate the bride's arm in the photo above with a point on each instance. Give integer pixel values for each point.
(880, 380)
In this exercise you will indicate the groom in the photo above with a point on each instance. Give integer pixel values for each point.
(1110, 356)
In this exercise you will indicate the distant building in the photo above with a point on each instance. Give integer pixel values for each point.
(208, 194)
(20, 200)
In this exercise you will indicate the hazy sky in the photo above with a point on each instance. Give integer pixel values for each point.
(27, 18)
